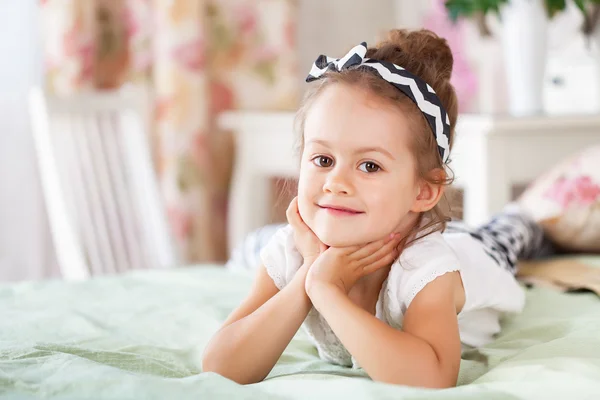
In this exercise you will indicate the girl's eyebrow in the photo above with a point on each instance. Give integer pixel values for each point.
(319, 141)
(376, 149)
(361, 150)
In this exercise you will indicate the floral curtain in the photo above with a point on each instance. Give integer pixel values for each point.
(198, 58)
(69, 45)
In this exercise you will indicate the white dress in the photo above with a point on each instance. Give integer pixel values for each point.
(490, 290)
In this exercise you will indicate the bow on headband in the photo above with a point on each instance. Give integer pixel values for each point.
(411, 85)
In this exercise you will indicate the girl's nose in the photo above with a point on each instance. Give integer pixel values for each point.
(338, 183)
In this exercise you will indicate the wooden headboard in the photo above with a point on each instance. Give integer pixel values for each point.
(491, 155)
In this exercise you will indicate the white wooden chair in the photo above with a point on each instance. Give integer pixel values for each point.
(103, 202)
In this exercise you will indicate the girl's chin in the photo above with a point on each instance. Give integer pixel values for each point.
(347, 239)
(340, 240)
(343, 236)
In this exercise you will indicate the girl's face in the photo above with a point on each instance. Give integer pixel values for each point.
(357, 175)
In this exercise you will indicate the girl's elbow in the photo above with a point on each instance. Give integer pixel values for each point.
(440, 384)
(427, 384)
(216, 365)
(212, 363)
(240, 380)
(440, 381)
(433, 381)
(228, 374)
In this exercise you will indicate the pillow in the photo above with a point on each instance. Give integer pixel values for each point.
(246, 255)
(566, 202)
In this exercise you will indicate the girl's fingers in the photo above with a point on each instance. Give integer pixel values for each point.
(348, 251)
(294, 218)
(383, 262)
(384, 250)
(367, 250)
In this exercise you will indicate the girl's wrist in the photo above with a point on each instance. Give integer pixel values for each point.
(308, 261)
(300, 279)
(321, 292)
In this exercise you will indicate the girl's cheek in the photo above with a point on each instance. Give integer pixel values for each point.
(303, 205)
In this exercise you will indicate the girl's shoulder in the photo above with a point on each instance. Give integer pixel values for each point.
(424, 260)
(426, 252)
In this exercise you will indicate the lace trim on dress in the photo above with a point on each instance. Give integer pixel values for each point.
(430, 277)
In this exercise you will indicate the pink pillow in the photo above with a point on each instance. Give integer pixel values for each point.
(566, 202)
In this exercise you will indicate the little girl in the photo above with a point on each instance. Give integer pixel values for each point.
(363, 262)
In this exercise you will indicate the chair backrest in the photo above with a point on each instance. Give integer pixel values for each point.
(104, 206)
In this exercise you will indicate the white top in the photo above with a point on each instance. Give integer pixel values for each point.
(490, 290)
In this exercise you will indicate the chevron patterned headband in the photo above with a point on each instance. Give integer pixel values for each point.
(411, 85)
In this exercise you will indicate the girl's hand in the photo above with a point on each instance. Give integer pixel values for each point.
(307, 243)
(342, 267)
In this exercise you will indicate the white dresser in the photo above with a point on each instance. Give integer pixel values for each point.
(491, 155)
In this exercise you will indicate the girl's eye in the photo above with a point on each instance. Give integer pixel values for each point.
(323, 162)
(369, 166)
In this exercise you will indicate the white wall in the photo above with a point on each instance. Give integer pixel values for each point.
(25, 246)
(332, 27)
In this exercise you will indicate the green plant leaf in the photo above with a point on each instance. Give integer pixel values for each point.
(459, 8)
(555, 6)
(466, 8)
(581, 5)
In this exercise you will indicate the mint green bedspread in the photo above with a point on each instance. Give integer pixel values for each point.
(142, 335)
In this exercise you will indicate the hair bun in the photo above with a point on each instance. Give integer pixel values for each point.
(421, 52)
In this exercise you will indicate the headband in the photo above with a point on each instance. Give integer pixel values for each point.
(411, 85)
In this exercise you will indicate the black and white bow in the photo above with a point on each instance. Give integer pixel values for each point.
(411, 85)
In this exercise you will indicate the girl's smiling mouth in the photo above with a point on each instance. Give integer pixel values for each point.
(339, 210)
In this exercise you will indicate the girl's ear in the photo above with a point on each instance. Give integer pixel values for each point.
(429, 194)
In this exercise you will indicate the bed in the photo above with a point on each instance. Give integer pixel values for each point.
(141, 334)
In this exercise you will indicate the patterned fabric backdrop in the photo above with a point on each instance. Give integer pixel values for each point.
(197, 58)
